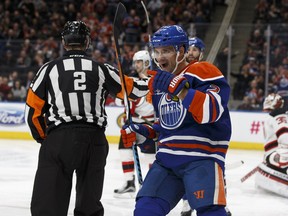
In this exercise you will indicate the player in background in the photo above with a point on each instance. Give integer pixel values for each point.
(272, 174)
(196, 50)
(142, 112)
(195, 54)
(65, 111)
(194, 129)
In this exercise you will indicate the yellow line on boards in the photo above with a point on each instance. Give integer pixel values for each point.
(115, 140)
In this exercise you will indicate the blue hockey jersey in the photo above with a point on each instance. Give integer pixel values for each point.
(198, 127)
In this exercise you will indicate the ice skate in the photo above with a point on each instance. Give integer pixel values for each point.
(186, 209)
(228, 211)
(126, 191)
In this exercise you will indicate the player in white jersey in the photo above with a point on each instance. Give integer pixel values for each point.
(142, 112)
(272, 174)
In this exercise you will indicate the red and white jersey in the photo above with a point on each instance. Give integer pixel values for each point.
(142, 111)
(276, 131)
(270, 175)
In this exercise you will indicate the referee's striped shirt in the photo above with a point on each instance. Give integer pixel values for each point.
(74, 88)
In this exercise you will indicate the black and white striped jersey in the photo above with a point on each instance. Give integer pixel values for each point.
(74, 88)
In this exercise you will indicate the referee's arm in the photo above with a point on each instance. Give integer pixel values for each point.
(35, 103)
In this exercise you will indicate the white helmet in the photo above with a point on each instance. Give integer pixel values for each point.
(144, 56)
(273, 101)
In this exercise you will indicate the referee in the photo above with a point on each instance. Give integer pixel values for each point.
(65, 113)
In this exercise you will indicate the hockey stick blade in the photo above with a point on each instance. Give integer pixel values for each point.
(234, 165)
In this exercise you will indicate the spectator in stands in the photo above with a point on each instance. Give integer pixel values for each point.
(35, 25)
(13, 76)
(154, 6)
(132, 27)
(5, 89)
(23, 60)
(222, 60)
(255, 93)
(256, 40)
(38, 59)
(8, 59)
(242, 83)
(282, 85)
(18, 91)
(29, 78)
(248, 104)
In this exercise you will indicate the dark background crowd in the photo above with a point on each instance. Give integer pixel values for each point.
(30, 35)
(250, 81)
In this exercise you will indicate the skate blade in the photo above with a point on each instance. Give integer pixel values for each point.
(127, 195)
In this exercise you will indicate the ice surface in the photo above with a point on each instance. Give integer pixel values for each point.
(18, 162)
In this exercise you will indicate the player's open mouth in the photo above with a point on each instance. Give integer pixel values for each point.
(164, 65)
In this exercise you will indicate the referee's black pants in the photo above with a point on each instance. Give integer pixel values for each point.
(80, 148)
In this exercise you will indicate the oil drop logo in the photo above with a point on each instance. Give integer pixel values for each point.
(171, 113)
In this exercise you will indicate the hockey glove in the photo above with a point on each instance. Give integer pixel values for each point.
(167, 82)
(138, 134)
(283, 155)
(278, 160)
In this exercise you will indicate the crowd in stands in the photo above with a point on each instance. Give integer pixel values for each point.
(250, 85)
(30, 36)
(30, 32)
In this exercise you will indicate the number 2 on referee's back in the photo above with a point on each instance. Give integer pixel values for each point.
(79, 82)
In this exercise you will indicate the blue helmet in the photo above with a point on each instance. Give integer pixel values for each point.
(170, 36)
(197, 42)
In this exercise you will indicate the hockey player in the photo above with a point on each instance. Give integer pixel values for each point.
(195, 54)
(142, 112)
(196, 49)
(190, 101)
(272, 174)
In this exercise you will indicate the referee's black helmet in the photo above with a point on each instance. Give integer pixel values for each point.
(76, 33)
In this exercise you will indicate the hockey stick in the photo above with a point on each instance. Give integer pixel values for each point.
(117, 29)
(249, 174)
(234, 165)
(149, 27)
(149, 30)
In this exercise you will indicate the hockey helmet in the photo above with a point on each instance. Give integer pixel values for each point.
(76, 33)
(170, 36)
(144, 56)
(273, 101)
(197, 42)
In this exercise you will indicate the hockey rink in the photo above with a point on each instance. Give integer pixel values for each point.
(18, 162)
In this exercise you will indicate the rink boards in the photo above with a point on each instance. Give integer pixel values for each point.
(247, 127)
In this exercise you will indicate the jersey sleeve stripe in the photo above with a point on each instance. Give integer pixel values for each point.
(195, 146)
(37, 104)
(212, 108)
(218, 106)
(281, 131)
(196, 107)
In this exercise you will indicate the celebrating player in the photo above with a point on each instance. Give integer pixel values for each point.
(272, 174)
(66, 114)
(194, 129)
(142, 112)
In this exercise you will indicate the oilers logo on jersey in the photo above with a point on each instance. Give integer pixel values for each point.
(171, 113)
